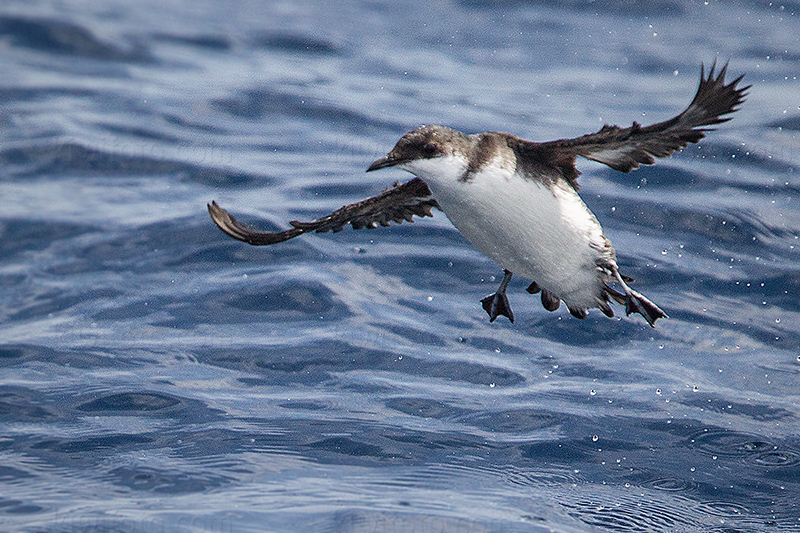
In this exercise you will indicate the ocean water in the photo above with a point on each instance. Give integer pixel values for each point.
(157, 375)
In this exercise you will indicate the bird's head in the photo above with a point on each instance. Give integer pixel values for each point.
(432, 153)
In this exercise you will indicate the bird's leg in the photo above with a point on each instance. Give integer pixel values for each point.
(497, 304)
(637, 303)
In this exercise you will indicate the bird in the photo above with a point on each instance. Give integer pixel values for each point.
(517, 201)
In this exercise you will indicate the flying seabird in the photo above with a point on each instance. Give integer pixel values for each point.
(517, 201)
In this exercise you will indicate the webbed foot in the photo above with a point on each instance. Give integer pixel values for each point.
(636, 303)
(497, 304)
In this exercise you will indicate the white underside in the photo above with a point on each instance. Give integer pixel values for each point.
(541, 233)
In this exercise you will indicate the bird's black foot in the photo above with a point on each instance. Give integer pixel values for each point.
(637, 303)
(497, 304)
(550, 302)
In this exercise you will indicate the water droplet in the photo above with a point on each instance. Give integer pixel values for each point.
(658, 392)
(692, 469)
(592, 392)
(777, 320)
(491, 385)
(695, 388)
(595, 438)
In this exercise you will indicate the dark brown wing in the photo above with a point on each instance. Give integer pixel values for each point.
(624, 149)
(397, 204)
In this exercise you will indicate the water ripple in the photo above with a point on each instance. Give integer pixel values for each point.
(58, 37)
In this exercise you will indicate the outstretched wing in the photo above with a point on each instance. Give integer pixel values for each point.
(397, 204)
(624, 149)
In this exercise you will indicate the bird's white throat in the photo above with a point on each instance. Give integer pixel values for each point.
(443, 170)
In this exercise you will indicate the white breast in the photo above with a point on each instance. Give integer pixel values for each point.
(543, 233)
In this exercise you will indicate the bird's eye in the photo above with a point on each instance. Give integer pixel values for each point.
(429, 149)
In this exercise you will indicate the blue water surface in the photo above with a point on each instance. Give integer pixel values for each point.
(160, 376)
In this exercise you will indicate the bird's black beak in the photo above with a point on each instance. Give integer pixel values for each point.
(383, 162)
